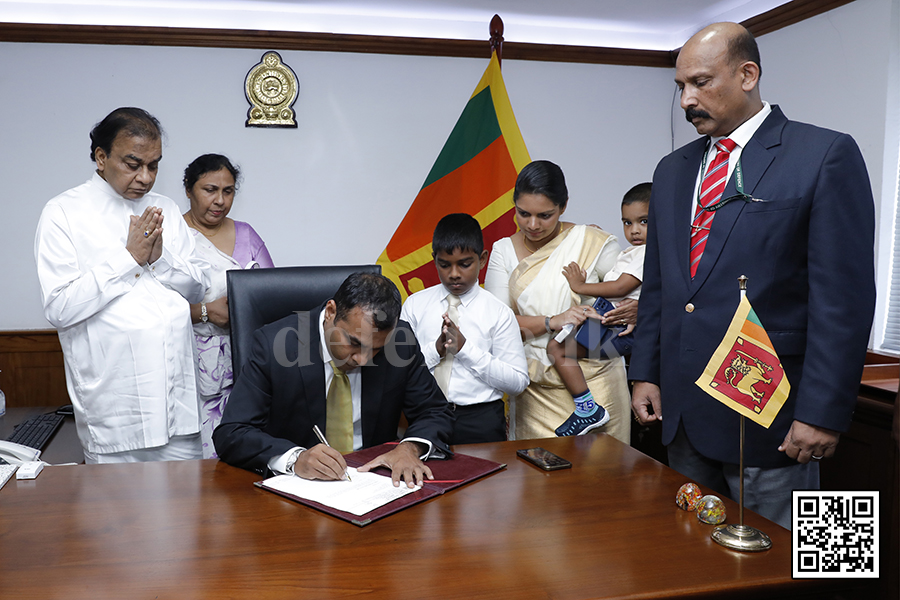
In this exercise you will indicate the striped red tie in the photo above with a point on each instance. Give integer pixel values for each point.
(710, 192)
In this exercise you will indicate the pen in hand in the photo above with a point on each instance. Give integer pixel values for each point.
(322, 439)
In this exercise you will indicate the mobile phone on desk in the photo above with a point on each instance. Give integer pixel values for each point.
(544, 459)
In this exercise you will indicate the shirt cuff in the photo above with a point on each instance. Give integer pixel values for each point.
(162, 265)
(470, 355)
(430, 353)
(124, 265)
(278, 464)
(428, 453)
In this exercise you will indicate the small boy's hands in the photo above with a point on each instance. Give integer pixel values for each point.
(575, 275)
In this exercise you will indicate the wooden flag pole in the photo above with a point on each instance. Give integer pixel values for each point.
(741, 537)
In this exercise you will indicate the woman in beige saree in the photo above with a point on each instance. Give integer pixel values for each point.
(525, 270)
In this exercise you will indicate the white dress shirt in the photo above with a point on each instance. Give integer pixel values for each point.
(740, 136)
(492, 360)
(125, 329)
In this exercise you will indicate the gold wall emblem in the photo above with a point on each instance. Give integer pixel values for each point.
(271, 89)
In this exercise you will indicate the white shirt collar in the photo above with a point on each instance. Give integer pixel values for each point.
(466, 298)
(741, 136)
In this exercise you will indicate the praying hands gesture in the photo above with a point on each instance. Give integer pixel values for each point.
(144, 240)
(451, 338)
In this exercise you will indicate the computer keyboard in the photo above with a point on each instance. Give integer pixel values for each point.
(36, 431)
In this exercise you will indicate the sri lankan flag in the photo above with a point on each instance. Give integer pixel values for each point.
(744, 373)
(475, 173)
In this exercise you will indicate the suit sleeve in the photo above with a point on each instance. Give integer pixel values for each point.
(645, 358)
(424, 405)
(241, 439)
(841, 288)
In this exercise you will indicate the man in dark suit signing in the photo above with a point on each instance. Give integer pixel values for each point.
(371, 371)
(802, 231)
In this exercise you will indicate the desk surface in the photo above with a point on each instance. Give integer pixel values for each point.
(607, 528)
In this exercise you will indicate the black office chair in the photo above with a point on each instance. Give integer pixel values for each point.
(257, 297)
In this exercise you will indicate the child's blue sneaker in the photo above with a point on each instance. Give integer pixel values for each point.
(576, 425)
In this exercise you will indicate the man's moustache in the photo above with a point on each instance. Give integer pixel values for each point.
(690, 114)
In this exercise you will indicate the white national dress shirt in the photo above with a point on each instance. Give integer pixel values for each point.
(740, 136)
(125, 329)
(491, 362)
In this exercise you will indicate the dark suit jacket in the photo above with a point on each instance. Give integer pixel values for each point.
(807, 249)
(280, 395)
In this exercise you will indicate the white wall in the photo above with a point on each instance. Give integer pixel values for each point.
(331, 191)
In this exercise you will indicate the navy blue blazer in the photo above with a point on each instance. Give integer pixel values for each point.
(280, 395)
(807, 247)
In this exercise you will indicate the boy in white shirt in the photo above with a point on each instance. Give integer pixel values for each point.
(622, 281)
(470, 339)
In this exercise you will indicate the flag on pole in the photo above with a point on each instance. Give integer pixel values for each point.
(745, 373)
(474, 173)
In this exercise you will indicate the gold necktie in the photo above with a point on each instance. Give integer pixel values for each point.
(339, 412)
(442, 370)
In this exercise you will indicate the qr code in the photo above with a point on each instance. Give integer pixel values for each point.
(835, 534)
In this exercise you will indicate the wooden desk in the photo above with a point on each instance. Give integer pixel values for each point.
(607, 528)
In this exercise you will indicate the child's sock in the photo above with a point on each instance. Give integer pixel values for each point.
(584, 404)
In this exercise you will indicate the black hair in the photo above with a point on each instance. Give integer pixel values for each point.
(459, 231)
(134, 122)
(209, 163)
(542, 177)
(375, 294)
(639, 193)
(742, 47)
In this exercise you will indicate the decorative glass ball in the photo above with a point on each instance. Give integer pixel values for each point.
(687, 497)
(711, 510)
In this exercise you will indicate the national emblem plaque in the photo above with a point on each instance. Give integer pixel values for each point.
(271, 89)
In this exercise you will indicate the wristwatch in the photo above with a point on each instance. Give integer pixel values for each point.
(291, 461)
(204, 316)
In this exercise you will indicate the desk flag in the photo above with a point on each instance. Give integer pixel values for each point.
(745, 373)
(474, 173)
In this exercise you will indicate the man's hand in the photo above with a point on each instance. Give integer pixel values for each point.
(804, 442)
(453, 337)
(644, 397)
(141, 246)
(623, 314)
(404, 463)
(320, 462)
(157, 249)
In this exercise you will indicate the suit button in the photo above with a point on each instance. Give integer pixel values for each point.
(689, 307)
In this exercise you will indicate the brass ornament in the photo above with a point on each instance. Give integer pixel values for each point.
(271, 88)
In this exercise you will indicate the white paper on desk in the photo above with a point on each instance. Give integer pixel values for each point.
(365, 493)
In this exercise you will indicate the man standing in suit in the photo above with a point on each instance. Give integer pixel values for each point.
(788, 205)
(371, 371)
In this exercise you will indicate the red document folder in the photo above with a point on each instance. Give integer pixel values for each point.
(448, 474)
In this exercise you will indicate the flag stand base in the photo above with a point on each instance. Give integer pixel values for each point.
(741, 537)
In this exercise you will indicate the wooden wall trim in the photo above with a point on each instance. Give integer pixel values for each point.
(779, 17)
(789, 14)
(31, 340)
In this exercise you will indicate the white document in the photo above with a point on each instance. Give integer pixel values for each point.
(366, 492)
